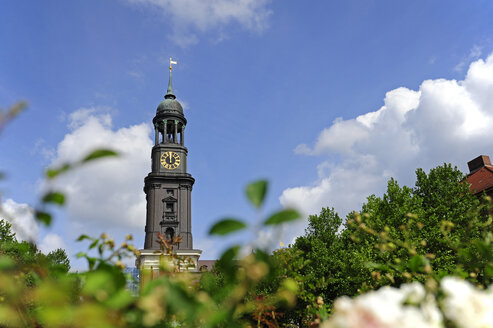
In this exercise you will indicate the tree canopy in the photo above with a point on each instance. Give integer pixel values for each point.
(27, 254)
(435, 228)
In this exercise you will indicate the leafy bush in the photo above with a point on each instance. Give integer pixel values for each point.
(410, 237)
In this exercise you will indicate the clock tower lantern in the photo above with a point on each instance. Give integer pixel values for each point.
(168, 186)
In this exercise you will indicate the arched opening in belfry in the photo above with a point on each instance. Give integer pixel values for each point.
(181, 131)
(170, 132)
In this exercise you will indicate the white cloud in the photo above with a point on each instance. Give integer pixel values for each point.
(106, 193)
(51, 242)
(443, 121)
(21, 217)
(474, 54)
(191, 16)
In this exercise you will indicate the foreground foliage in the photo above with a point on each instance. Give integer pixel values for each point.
(98, 297)
(412, 238)
(448, 233)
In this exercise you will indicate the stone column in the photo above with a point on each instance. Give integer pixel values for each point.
(165, 132)
(175, 131)
(156, 135)
(182, 141)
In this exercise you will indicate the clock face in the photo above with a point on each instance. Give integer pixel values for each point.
(170, 160)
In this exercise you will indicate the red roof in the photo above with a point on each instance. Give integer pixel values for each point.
(481, 180)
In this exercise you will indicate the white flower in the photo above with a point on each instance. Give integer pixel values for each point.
(388, 307)
(467, 306)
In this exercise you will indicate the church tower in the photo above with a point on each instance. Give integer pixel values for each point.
(168, 187)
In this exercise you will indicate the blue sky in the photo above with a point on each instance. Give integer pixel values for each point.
(326, 99)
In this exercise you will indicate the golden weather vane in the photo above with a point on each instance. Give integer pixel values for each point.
(172, 62)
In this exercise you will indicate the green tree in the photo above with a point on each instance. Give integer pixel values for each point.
(436, 228)
(421, 230)
(6, 234)
(27, 254)
(58, 259)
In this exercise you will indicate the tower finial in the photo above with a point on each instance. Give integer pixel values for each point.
(169, 93)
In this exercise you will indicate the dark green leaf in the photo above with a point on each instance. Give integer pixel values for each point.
(226, 226)
(82, 237)
(256, 192)
(91, 261)
(282, 216)
(43, 217)
(99, 153)
(52, 173)
(93, 244)
(54, 197)
(488, 270)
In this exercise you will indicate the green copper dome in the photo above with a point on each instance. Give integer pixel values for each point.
(169, 105)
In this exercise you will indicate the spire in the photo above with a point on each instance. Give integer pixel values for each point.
(169, 93)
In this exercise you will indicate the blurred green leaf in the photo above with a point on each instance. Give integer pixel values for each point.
(282, 216)
(52, 173)
(99, 153)
(2, 175)
(256, 192)
(117, 276)
(91, 261)
(488, 270)
(417, 263)
(182, 300)
(120, 300)
(99, 283)
(94, 244)
(6, 263)
(226, 226)
(54, 197)
(220, 318)
(227, 263)
(290, 284)
(9, 316)
(43, 217)
(82, 237)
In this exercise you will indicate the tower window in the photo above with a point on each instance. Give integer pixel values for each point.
(169, 207)
(169, 234)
